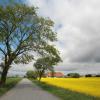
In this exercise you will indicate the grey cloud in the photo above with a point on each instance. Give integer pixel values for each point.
(88, 52)
(77, 23)
(85, 68)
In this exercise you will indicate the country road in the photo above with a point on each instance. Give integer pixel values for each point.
(26, 90)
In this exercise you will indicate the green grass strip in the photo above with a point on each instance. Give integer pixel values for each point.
(10, 83)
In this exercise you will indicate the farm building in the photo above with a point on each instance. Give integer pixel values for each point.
(55, 74)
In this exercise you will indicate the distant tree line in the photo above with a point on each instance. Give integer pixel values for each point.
(36, 75)
(77, 75)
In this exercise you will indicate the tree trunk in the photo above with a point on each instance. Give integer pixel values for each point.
(41, 73)
(3, 76)
(39, 78)
(6, 67)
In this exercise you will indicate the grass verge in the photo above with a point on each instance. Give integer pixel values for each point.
(11, 82)
(64, 94)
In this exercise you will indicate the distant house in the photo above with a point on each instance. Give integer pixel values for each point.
(55, 74)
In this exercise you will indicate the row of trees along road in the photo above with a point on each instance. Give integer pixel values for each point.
(23, 31)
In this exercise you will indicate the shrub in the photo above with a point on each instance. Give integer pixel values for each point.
(73, 75)
(98, 75)
(88, 75)
(31, 74)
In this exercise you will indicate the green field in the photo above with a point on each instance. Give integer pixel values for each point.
(11, 82)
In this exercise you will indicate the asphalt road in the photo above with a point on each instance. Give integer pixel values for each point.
(26, 90)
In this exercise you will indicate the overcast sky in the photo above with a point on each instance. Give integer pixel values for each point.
(77, 23)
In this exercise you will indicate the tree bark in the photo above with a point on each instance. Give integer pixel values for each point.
(41, 73)
(39, 78)
(4, 76)
(5, 69)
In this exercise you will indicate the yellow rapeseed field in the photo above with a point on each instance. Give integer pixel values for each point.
(89, 86)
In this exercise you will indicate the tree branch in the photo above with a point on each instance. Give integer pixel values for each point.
(2, 51)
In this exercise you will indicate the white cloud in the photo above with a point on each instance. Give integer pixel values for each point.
(77, 23)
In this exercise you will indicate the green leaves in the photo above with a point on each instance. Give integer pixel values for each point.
(23, 31)
(46, 63)
(25, 58)
(32, 74)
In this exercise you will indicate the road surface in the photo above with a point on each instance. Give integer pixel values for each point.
(26, 90)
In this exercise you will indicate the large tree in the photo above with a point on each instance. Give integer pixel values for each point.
(23, 32)
(47, 63)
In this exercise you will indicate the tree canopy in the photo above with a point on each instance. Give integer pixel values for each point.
(23, 32)
(31, 74)
(46, 63)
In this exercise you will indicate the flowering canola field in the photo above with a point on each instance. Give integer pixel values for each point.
(89, 86)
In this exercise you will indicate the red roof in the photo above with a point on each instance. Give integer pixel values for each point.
(56, 74)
